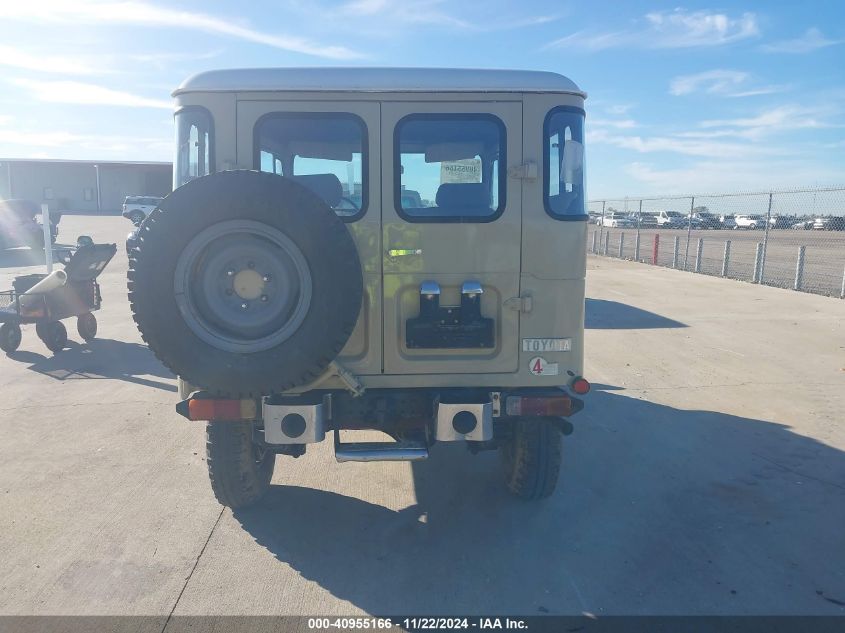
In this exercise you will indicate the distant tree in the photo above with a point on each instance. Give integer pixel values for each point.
(699, 210)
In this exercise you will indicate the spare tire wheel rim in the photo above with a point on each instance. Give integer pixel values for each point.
(242, 286)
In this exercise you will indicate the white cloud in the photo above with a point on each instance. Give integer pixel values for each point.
(429, 12)
(812, 40)
(146, 14)
(64, 65)
(762, 90)
(621, 124)
(46, 143)
(88, 94)
(730, 175)
(722, 82)
(592, 41)
(365, 7)
(786, 117)
(417, 12)
(703, 147)
(681, 29)
(38, 139)
(711, 81)
(619, 109)
(669, 29)
(162, 59)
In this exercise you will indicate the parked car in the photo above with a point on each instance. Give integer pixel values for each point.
(727, 220)
(617, 220)
(671, 219)
(137, 208)
(706, 220)
(692, 221)
(749, 222)
(803, 225)
(20, 224)
(829, 224)
(781, 221)
(648, 219)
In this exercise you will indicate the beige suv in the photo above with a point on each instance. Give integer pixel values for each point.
(400, 250)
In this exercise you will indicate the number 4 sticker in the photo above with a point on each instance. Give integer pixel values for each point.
(539, 366)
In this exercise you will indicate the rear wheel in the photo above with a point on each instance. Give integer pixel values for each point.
(53, 335)
(10, 337)
(86, 325)
(240, 470)
(531, 458)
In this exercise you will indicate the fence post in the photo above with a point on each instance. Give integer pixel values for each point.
(655, 248)
(799, 268)
(765, 240)
(601, 222)
(675, 252)
(606, 242)
(757, 255)
(48, 240)
(698, 250)
(726, 259)
(637, 238)
(689, 230)
(593, 247)
(842, 291)
(621, 243)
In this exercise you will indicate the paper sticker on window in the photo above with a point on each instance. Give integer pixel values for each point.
(468, 170)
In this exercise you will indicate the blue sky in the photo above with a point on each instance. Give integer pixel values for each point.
(696, 97)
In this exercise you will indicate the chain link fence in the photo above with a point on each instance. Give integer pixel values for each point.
(789, 239)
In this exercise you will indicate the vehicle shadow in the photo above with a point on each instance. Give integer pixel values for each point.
(602, 314)
(659, 511)
(99, 359)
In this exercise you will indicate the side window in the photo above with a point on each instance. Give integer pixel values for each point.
(449, 167)
(326, 152)
(194, 145)
(563, 164)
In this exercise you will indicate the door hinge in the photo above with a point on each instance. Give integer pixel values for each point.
(525, 171)
(523, 303)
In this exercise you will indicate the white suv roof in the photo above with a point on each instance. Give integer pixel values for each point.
(378, 80)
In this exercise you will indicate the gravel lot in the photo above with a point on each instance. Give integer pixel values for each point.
(705, 476)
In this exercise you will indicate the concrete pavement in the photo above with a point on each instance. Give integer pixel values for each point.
(705, 476)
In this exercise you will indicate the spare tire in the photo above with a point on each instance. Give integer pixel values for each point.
(245, 283)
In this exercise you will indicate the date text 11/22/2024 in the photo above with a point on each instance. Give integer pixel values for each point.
(416, 624)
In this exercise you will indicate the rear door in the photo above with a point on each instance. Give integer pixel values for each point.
(451, 223)
(334, 139)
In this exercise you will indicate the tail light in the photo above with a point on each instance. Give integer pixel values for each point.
(580, 386)
(556, 406)
(217, 409)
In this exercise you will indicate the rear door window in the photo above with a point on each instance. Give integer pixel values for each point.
(450, 167)
(325, 152)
